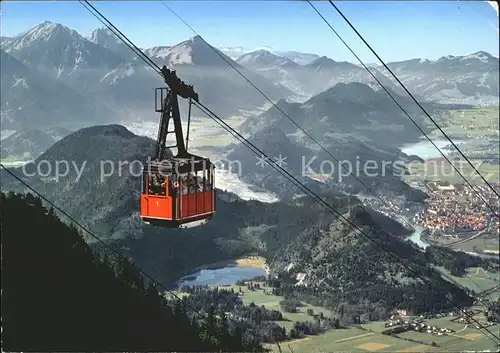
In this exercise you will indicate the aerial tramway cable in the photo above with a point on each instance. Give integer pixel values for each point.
(404, 111)
(289, 118)
(307, 133)
(407, 91)
(272, 163)
(295, 123)
(283, 172)
(300, 127)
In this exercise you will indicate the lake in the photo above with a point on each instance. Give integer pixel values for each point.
(424, 149)
(221, 276)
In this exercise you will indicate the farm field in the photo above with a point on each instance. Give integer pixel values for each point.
(351, 340)
(368, 338)
(272, 302)
(483, 243)
(471, 123)
(478, 132)
(477, 280)
(441, 170)
(479, 244)
(207, 133)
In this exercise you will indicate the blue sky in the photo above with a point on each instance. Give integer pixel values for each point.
(397, 30)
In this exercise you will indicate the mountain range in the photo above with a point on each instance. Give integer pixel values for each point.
(350, 109)
(100, 67)
(468, 79)
(100, 80)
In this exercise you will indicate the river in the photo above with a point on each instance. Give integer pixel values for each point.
(224, 180)
(416, 238)
(221, 276)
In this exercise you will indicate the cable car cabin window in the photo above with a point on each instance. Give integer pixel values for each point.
(210, 180)
(157, 185)
(192, 183)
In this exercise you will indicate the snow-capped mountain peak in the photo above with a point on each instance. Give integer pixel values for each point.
(264, 59)
(196, 40)
(480, 55)
(58, 50)
(103, 36)
(99, 35)
(298, 57)
(194, 51)
(45, 31)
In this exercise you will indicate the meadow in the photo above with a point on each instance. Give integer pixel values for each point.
(441, 170)
(368, 337)
(478, 280)
(478, 131)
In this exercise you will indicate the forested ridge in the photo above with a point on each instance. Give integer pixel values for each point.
(58, 295)
(110, 208)
(344, 271)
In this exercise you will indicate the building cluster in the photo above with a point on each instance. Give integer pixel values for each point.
(416, 324)
(455, 208)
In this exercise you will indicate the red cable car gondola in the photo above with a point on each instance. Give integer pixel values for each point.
(177, 191)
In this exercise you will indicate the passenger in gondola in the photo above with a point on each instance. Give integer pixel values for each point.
(191, 183)
(205, 184)
(185, 183)
(163, 187)
(154, 185)
(200, 184)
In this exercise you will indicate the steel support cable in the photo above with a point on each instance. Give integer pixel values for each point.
(406, 113)
(102, 242)
(120, 35)
(409, 93)
(290, 119)
(404, 110)
(328, 206)
(283, 172)
(299, 182)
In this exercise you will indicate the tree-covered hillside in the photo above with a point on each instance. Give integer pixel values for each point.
(57, 295)
(339, 268)
(108, 204)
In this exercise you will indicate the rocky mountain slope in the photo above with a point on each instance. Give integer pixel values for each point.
(30, 143)
(353, 108)
(101, 67)
(31, 99)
